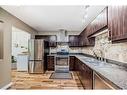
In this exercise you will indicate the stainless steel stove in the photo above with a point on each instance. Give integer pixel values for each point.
(62, 58)
(62, 64)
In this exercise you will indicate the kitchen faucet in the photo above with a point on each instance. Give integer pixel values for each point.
(96, 56)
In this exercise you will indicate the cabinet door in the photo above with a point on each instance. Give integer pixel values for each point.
(73, 40)
(87, 77)
(45, 37)
(52, 40)
(71, 63)
(101, 83)
(82, 38)
(89, 41)
(98, 23)
(50, 62)
(101, 20)
(80, 71)
(117, 23)
(77, 66)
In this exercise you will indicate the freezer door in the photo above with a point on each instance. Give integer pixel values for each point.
(35, 67)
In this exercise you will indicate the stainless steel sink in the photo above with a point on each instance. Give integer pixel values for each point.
(100, 64)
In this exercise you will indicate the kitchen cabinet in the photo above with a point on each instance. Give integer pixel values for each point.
(52, 39)
(84, 73)
(117, 23)
(50, 63)
(101, 83)
(84, 40)
(45, 37)
(99, 23)
(89, 41)
(87, 77)
(73, 40)
(71, 63)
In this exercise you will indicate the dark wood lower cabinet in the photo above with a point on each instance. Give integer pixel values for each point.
(71, 63)
(50, 63)
(102, 83)
(85, 74)
(87, 79)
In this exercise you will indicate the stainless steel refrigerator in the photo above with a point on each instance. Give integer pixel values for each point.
(38, 49)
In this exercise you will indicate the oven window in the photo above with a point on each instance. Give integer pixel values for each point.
(61, 61)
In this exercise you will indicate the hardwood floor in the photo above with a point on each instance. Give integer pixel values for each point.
(23, 80)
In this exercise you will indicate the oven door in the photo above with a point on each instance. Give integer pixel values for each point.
(62, 61)
(62, 64)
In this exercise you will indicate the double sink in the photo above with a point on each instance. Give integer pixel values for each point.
(98, 63)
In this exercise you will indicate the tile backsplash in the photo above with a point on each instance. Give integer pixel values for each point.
(117, 51)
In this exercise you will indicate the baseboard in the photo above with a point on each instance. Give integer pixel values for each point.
(6, 86)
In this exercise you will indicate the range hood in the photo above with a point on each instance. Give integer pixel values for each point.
(62, 36)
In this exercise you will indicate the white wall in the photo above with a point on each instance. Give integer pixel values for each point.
(5, 64)
(1, 41)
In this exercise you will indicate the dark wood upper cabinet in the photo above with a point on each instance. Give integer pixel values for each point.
(73, 40)
(117, 23)
(45, 37)
(84, 40)
(52, 39)
(99, 23)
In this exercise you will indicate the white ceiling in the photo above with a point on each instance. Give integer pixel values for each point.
(53, 18)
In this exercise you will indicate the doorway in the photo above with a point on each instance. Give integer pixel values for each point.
(19, 49)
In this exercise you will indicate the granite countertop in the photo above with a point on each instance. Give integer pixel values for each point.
(115, 73)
